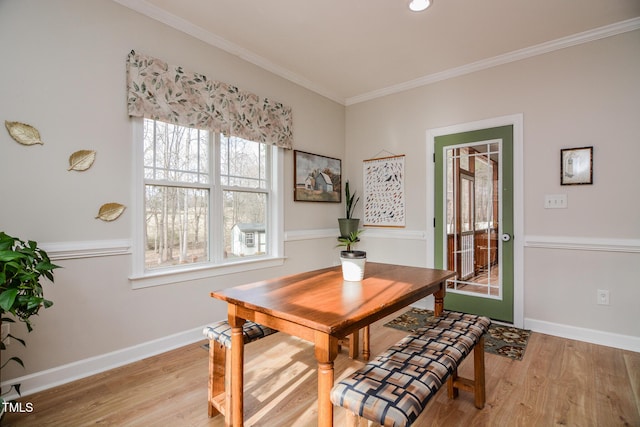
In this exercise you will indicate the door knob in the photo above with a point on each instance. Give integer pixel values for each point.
(506, 237)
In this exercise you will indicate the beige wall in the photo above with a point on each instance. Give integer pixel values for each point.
(586, 95)
(63, 71)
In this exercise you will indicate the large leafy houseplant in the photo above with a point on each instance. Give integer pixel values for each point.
(22, 265)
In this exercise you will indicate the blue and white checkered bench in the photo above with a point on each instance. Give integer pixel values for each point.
(395, 387)
(219, 335)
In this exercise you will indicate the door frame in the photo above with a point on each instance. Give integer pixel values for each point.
(516, 120)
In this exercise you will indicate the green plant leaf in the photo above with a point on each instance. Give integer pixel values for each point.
(7, 298)
(22, 265)
(350, 240)
(9, 255)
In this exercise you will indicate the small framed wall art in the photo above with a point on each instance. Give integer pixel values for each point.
(317, 178)
(576, 166)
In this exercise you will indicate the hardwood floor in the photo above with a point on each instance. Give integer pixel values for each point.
(558, 382)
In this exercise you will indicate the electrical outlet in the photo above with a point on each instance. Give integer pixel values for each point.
(603, 297)
(6, 330)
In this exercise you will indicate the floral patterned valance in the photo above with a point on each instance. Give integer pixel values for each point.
(160, 91)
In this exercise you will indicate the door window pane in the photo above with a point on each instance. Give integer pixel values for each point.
(472, 206)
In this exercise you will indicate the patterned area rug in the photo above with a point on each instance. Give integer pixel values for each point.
(501, 340)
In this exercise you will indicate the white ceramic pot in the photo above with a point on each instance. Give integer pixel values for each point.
(353, 263)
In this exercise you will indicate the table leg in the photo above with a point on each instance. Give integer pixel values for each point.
(326, 352)
(439, 299)
(366, 346)
(237, 368)
(354, 345)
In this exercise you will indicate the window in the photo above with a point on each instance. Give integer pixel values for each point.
(177, 195)
(248, 240)
(208, 200)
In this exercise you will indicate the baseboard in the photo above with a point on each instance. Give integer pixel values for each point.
(49, 378)
(609, 339)
(53, 377)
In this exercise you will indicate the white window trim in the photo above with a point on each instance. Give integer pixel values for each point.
(141, 278)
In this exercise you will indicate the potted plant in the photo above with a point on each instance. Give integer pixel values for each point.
(353, 262)
(22, 265)
(349, 224)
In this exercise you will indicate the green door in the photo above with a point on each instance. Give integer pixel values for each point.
(474, 220)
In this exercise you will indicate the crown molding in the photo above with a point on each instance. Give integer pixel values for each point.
(200, 33)
(517, 55)
(212, 39)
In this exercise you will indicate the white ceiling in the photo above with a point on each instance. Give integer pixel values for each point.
(354, 50)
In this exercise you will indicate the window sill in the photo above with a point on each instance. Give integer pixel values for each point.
(171, 276)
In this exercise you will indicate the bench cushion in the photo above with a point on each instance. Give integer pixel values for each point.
(221, 332)
(473, 324)
(395, 387)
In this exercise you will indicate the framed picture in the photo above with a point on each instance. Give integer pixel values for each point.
(317, 178)
(384, 203)
(576, 166)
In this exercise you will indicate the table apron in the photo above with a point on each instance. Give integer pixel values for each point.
(277, 323)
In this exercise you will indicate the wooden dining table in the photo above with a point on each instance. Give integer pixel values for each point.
(320, 307)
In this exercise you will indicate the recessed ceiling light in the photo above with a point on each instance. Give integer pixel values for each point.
(419, 5)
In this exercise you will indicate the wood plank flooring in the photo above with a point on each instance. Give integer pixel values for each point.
(558, 382)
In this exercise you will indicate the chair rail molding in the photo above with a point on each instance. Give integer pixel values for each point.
(380, 233)
(87, 249)
(583, 243)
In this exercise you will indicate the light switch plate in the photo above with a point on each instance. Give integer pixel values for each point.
(555, 201)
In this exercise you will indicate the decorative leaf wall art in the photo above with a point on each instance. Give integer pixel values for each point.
(81, 160)
(23, 133)
(110, 211)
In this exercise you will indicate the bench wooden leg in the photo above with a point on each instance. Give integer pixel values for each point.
(452, 389)
(219, 393)
(227, 389)
(354, 420)
(477, 385)
(217, 377)
(478, 373)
